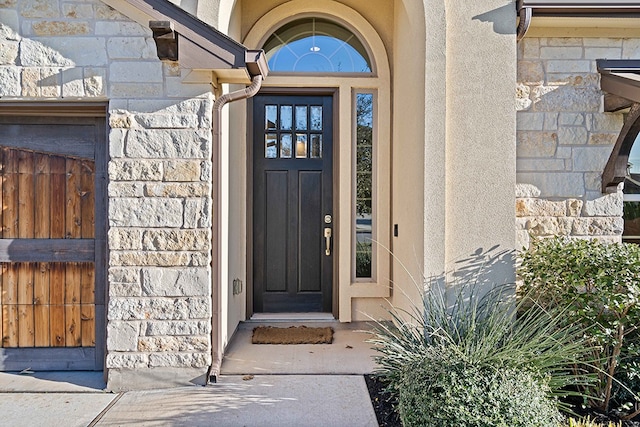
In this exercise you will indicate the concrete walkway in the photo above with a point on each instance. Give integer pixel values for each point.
(261, 385)
(261, 400)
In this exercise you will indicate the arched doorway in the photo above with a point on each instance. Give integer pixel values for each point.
(325, 57)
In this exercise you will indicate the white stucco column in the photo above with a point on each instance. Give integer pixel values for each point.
(480, 136)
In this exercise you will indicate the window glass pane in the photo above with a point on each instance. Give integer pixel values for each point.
(316, 45)
(364, 185)
(271, 116)
(301, 118)
(286, 113)
(271, 145)
(316, 146)
(316, 118)
(301, 145)
(285, 145)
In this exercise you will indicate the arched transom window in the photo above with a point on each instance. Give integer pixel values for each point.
(316, 45)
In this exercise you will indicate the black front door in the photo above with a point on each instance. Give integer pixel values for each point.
(292, 203)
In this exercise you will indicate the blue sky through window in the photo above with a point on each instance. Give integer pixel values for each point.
(316, 46)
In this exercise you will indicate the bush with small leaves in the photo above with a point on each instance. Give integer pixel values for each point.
(599, 283)
(444, 390)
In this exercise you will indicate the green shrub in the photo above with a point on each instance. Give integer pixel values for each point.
(479, 334)
(600, 285)
(453, 393)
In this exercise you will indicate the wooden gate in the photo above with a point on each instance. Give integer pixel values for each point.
(51, 262)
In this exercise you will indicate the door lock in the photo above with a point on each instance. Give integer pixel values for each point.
(327, 239)
(328, 219)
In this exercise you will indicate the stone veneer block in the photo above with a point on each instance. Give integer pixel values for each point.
(123, 336)
(174, 240)
(183, 170)
(609, 205)
(121, 28)
(147, 212)
(173, 282)
(536, 144)
(136, 72)
(590, 159)
(78, 51)
(8, 52)
(39, 8)
(572, 135)
(10, 81)
(159, 308)
(36, 54)
(169, 144)
(131, 48)
(60, 28)
(135, 170)
(553, 184)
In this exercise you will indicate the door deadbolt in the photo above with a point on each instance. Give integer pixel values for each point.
(328, 219)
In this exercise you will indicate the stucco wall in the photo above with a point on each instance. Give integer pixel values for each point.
(159, 200)
(564, 138)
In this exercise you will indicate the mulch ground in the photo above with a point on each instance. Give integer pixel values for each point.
(382, 403)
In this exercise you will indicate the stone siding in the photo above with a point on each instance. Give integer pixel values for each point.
(159, 214)
(564, 139)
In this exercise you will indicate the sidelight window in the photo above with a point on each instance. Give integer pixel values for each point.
(364, 184)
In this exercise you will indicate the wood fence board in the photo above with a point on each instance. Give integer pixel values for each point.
(42, 196)
(26, 325)
(56, 321)
(87, 317)
(57, 325)
(73, 325)
(10, 326)
(73, 216)
(25, 191)
(10, 192)
(87, 194)
(41, 314)
(72, 283)
(58, 197)
(26, 335)
(87, 283)
(41, 302)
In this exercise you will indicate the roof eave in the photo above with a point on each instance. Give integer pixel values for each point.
(528, 9)
(195, 44)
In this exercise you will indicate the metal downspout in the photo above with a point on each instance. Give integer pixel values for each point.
(216, 302)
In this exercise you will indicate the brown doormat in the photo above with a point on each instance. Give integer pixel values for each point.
(292, 335)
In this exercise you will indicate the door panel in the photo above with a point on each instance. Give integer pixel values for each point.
(292, 193)
(310, 241)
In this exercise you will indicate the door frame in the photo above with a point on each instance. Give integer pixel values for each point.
(90, 113)
(308, 91)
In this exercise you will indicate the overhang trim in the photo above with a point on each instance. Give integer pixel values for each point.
(195, 44)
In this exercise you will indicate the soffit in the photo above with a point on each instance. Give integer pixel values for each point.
(195, 44)
(620, 77)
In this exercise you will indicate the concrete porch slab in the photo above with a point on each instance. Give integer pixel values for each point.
(269, 400)
(348, 354)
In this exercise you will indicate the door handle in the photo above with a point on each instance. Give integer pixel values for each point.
(327, 239)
